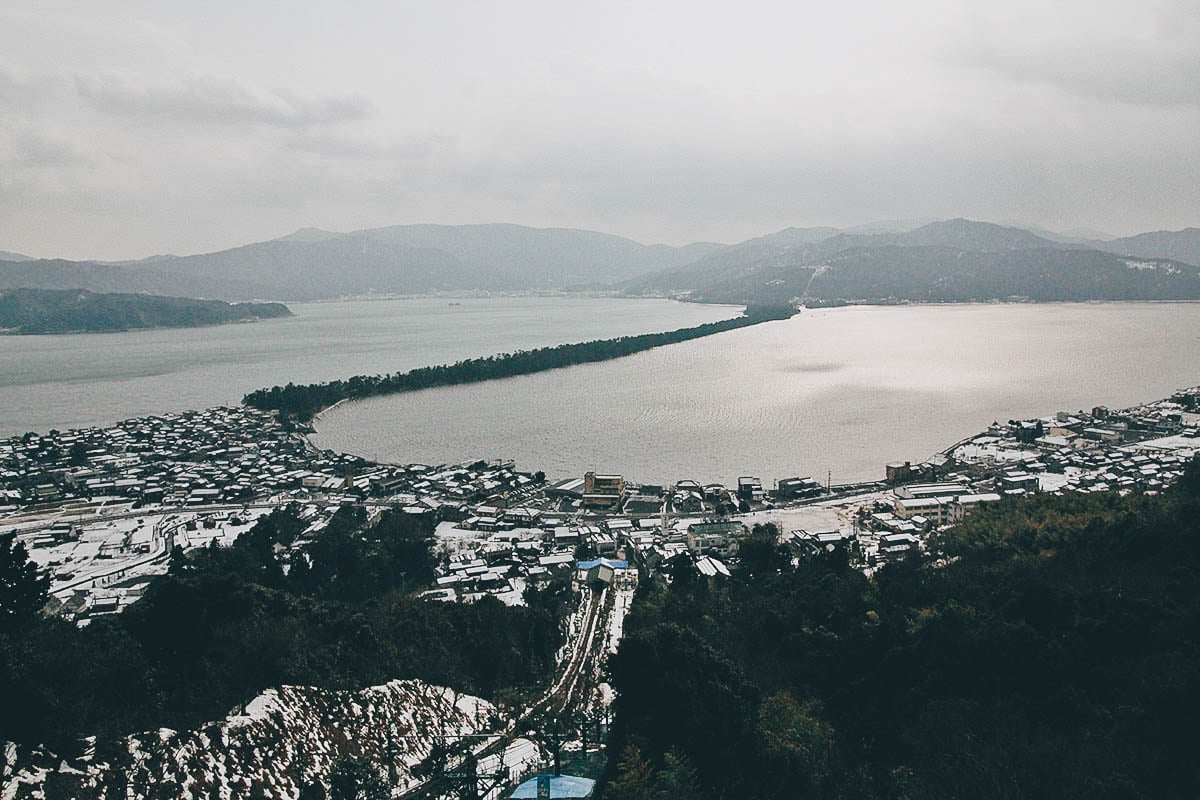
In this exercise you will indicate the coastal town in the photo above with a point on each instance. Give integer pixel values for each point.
(102, 509)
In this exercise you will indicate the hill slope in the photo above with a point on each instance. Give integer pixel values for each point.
(288, 734)
(1181, 245)
(75, 310)
(1045, 647)
(950, 261)
(311, 264)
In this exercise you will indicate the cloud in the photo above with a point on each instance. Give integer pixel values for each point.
(31, 148)
(23, 92)
(219, 101)
(1134, 55)
(386, 147)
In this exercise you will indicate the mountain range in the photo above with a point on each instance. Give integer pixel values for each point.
(945, 260)
(312, 264)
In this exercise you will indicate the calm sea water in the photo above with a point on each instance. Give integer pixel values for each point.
(96, 379)
(839, 391)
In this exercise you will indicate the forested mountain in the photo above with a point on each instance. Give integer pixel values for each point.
(77, 310)
(59, 274)
(312, 264)
(1046, 647)
(949, 261)
(1181, 245)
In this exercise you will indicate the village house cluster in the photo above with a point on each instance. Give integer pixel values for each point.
(219, 456)
(133, 490)
(193, 458)
(1143, 448)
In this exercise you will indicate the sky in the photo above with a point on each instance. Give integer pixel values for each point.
(134, 128)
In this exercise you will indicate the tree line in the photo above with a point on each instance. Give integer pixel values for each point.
(73, 310)
(335, 610)
(304, 401)
(1045, 647)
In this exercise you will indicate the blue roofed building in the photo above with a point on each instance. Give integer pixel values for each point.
(601, 570)
(555, 786)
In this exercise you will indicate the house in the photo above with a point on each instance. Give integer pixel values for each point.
(749, 489)
(922, 490)
(789, 488)
(896, 545)
(968, 502)
(601, 571)
(556, 561)
(720, 538)
(564, 536)
(643, 504)
(603, 491)
(804, 542)
(1011, 481)
(710, 567)
(935, 509)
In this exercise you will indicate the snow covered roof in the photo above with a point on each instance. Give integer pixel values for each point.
(606, 561)
(710, 567)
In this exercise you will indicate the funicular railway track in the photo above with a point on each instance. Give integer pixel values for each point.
(570, 690)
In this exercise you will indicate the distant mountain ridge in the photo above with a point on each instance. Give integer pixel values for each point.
(954, 260)
(910, 259)
(311, 264)
(1181, 245)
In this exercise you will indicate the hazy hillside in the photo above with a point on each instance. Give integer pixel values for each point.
(543, 256)
(945, 259)
(1181, 245)
(5, 255)
(60, 274)
(312, 264)
(948, 261)
(78, 310)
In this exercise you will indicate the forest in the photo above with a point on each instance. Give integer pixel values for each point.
(1046, 647)
(301, 403)
(76, 310)
(335, 611)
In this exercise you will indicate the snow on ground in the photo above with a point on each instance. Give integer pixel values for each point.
(1185, 446)
(453, 539)
(521, 757)
(515, 595)
(259, 708)
(260, 753)
(809, 518)
(111, 553)
(988, 448)
(622, 600)
(1052, 482)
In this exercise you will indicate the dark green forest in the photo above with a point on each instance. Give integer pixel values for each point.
(226, 623)
(1046, 647)
(302, 402)
(77, 310)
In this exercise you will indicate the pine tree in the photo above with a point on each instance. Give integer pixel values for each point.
(23, 591)
(634, 777)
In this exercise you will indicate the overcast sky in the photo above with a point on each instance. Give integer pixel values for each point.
(131, 128)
